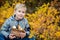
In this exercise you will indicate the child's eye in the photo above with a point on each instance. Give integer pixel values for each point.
(19, 11)
(23, 12)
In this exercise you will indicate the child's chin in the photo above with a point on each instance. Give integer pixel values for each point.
(20, 18)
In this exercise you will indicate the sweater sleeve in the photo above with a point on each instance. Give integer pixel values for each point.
(27, 28)
(5, 28)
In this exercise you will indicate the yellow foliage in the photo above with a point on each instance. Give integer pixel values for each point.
(44, 21)
(57, 34)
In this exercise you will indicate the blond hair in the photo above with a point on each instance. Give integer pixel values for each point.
(20, 6)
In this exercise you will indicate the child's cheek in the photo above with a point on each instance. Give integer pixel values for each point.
(24, 14)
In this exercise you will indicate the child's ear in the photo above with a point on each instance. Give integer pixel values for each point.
(14, 11)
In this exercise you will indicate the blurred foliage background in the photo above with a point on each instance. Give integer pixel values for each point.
(31, 4)
(43, 17)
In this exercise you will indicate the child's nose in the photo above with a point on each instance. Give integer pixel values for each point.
(20, 13)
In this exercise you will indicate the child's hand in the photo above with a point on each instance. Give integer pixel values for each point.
(22, 35)
(12, 36)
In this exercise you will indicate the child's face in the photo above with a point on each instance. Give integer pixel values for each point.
(20, 13)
